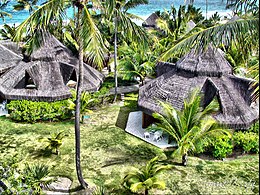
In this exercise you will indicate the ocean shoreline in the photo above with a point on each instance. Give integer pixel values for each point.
(143, 11)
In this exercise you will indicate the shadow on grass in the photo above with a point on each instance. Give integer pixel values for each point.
(45, 153)
(131, 154)
(122, 117)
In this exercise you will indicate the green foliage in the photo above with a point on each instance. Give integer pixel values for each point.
(99, 190)
(254, 128)
(146, 178)
(29, 180)
(130, 100)
(30, 111)
(248, 141)
(55, 141)
(221, 146)
(135, 63)
(85, 101)
(3, 5)
(7, 32)
(36, 176)
(190, 127)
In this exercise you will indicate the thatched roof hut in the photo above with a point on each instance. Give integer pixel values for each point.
(210, 72)
(47, 76)
(151, 21)
(190, 25)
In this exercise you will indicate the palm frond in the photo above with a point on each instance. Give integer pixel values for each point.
(221, 34)
(93, 41)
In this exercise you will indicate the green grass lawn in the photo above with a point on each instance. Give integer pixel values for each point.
(108, 152)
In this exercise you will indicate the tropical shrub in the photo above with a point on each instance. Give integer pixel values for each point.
(222, 146)
(254, 128)
(190, 127)
(248, 141)
(54, 142)
(29, 180)
(146, 178)
(30, 111)
(219, 146)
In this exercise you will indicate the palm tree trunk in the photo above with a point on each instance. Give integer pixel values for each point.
(115, 57)
(185, 159)
(78, 95)
(2, 185)
(206, 9)
(146, 192)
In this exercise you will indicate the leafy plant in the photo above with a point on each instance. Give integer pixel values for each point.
(55, 141)
(99, 190)
(190, 127)
(36, 176)
(85, 101)
(248, 141)
(30, 111)
(222, 146)
(146, 178)
(29, 180)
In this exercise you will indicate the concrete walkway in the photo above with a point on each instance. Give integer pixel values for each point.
(134, 127)
(125, 89)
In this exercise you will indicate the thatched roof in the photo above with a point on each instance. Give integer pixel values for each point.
(210, 72)
(46, 76)
(190, 25)
(150, 21)
(8, 59)
(13, 46)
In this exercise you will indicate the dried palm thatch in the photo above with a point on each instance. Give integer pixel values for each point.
(213, 75)
(46, 76)
(8, 59)
(151, 21)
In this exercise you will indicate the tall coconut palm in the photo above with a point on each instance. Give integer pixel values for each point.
(122, 21)
(189, 127)
(88, 38)
(146, 178)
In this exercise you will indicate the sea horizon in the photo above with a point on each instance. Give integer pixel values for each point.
(143, 11)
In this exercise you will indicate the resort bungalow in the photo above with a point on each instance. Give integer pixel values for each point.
(212, 73)
(150, 22)
(48, 76)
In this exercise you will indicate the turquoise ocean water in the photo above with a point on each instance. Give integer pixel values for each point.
(143, 10)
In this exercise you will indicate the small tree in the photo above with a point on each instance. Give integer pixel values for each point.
(189, 127)
(55, 141)
(146, 178)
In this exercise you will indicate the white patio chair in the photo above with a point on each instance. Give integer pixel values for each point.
(157, 136)
(146, 134)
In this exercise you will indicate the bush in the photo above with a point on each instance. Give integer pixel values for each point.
(248, 141)
(255, 127)
(30, 111)
(222, 146)
(219, 146)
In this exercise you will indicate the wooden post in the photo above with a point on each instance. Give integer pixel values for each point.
(146, 120)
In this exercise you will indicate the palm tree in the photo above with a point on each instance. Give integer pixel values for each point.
(3, 13)
(117, 12)
(54, 142)
(146, 178)
(134, 62)
(189, 127)
(29, 5)
(88, 38)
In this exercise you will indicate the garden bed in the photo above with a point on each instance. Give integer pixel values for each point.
(108, 152)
